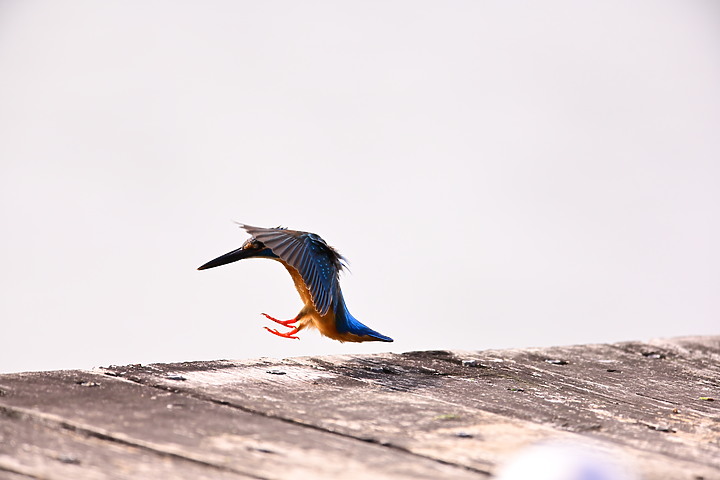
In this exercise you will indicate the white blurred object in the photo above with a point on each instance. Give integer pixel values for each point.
(563, 461)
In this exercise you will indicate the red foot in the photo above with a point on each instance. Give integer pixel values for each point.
(286, 323)
(284, 335)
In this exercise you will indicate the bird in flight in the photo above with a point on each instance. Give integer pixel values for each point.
(314, 267)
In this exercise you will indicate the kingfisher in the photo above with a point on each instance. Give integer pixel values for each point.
(315, 268)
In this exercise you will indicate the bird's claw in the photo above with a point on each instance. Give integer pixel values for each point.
(286, 323)
(284, 335)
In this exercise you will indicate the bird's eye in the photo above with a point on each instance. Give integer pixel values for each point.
(252, 245)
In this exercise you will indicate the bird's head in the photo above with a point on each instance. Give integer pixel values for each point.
(251, 248)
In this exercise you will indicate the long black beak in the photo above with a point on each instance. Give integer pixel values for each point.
(230, 257)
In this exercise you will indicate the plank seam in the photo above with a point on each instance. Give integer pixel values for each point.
(7, 468)
(49, 420)
(243, 408)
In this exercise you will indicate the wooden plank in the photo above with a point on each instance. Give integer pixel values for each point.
(476, 408)
(434, 414)
(83, 414)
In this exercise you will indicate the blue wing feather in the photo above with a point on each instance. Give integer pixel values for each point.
(318, 264)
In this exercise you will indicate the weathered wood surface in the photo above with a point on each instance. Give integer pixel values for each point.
(434, 414)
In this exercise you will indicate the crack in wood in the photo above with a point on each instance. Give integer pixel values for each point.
(52, 421)
(298, 423)
(18, 471)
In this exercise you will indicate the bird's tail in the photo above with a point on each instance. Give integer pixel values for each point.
(346, 323)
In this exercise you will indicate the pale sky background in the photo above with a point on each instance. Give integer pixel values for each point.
(499, 173)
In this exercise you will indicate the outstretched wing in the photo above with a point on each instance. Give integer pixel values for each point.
(318, 263)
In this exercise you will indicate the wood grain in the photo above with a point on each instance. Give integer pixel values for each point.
(431, 414)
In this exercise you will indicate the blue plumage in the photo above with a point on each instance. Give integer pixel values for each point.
(314, 267)
(346, 323)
